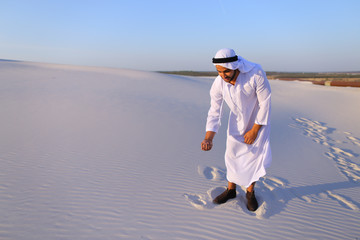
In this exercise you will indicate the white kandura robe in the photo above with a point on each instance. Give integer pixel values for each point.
(249, 101)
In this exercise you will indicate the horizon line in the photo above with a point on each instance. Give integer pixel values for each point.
(172, 71)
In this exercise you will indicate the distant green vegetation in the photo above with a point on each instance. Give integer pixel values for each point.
(354, 76)
(330, 75)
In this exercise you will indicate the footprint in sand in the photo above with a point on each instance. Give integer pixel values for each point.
(212, 173)
(341, 156)
(198, 201)
(342, 200)
(318, 131)
(348, 168)
(271, 187)
(354, 140)
(201, 201)
(272, 182)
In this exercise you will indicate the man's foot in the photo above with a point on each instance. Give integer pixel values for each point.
(252, 204)
(226, 195)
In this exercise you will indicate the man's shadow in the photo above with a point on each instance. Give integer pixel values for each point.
(273, 201)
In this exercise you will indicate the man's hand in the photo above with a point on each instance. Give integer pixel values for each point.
(206, 144)
(251, 135)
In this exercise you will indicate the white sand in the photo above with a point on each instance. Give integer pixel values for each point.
(95, 153)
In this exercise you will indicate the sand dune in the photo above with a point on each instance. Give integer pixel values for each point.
(98, 153)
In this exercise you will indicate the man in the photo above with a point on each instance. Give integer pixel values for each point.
(245, 89)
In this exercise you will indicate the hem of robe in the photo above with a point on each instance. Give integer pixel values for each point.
(254, 179)
(258, 175)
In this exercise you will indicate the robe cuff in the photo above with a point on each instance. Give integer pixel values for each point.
(212, 130)
(212, 127)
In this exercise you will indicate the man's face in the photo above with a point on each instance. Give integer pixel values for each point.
(225, 73)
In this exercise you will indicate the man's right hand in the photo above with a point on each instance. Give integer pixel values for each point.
(206, 144)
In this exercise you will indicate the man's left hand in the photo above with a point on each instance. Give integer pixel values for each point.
(250, 136)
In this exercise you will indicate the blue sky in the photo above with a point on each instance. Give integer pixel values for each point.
(281, 35)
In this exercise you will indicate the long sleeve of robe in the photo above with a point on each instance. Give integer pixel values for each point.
(249, 101)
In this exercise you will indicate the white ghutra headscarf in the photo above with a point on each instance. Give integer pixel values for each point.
(227, 58)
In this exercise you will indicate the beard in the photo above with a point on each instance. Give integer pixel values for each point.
(230, 78)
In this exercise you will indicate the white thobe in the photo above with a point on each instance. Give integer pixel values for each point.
(249, 101)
